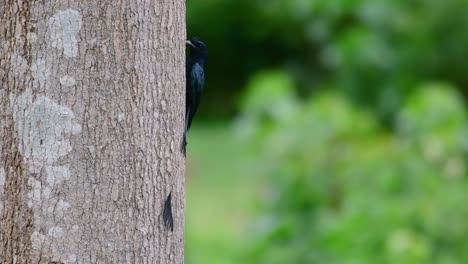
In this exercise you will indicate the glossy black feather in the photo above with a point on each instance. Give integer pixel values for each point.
(195, 80)
(167, 213)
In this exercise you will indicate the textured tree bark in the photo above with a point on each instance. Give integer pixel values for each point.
(91, 120)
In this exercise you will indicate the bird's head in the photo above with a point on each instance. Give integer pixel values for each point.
(197, 46)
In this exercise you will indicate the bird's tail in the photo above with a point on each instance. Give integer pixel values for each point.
(183, 147)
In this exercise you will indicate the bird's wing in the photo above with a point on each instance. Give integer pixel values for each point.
(197, 78)
(197, 81)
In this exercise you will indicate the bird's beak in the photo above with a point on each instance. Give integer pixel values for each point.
(190, 43)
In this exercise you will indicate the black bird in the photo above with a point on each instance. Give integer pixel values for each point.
(167, 213)
(195, 78)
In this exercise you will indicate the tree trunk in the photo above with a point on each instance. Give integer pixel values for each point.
(91, 120)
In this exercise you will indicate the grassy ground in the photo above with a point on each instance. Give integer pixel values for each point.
(220, 195)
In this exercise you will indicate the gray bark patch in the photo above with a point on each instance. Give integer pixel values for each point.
(63, 29)
(44, 130)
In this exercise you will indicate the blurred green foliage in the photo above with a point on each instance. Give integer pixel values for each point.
(343, 190)
(353, 128)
